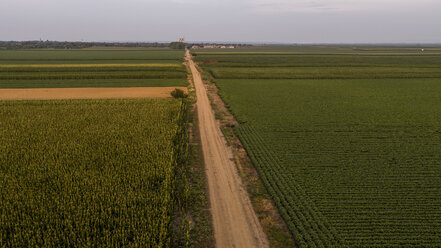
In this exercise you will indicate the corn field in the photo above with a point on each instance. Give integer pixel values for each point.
(93, 173)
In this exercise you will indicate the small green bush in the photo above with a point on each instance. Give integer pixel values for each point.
(178, 93)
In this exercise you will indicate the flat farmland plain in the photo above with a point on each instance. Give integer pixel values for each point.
(95, 172)
(89, 68)
(350, 149)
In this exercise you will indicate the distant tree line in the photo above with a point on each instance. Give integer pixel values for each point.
(177, 45)
(79, 45)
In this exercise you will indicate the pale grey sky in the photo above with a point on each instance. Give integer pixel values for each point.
(290, 21)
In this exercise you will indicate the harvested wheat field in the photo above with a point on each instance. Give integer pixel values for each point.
(87, 93)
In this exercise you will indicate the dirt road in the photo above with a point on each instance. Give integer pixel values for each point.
(235, 222)
(86, 93)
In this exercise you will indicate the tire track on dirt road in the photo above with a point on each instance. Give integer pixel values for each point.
(234, 220)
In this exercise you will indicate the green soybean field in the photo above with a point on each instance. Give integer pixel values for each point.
(348, 145)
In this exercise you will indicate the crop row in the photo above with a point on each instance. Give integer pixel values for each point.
(323, 73)
(72, 83)
(73, 68)
(94, 55)
(317, 61)
(92, 75)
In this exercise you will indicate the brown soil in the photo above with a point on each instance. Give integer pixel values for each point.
(86, 93)
(234, 220)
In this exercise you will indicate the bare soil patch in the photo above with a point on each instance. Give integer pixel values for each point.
(87, 93)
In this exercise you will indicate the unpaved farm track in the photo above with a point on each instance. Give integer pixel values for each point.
(234, 220)
(86, 93)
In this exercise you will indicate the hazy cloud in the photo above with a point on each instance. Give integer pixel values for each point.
(340, 5)
(313, 5)
(219, 20)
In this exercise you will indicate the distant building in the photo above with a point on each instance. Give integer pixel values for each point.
(195, 47)
(182, 40)
(213, 46)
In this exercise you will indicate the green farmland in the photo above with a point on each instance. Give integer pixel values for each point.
(97, 172)
(90, 56)
(91, 173)
(91, 68)
(347, 145)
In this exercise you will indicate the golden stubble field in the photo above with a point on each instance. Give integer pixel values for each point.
(87, 93)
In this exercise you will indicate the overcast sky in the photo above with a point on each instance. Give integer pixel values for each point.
(288, 21)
